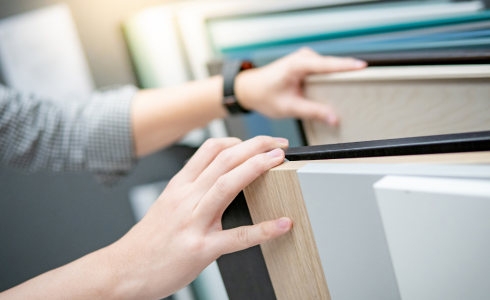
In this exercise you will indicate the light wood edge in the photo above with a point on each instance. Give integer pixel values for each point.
(405, 73)
(293, 260)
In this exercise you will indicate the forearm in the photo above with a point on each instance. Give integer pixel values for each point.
(90, 277)
(161, 116)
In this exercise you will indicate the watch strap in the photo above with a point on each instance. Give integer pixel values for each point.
(230, 70)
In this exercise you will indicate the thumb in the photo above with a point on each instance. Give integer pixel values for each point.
(309, 110)
(244, 237)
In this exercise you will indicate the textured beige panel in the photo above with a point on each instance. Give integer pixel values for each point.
(406, 73)
(293, 260)
(388, 102)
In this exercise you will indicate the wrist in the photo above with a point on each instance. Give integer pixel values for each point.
(118, 280)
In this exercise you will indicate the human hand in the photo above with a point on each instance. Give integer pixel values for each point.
(276, 90)
(182, 234)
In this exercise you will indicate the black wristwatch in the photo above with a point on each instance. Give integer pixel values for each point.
(229, 71)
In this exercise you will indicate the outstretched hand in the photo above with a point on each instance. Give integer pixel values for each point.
(276, 90)
(182, 234)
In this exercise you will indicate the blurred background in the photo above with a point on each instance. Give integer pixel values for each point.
(67, 49)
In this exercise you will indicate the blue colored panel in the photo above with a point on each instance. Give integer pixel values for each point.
(258, 125)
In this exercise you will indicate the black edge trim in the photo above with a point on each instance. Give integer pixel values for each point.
(244, 273)
(428, 57)
(301, 129)
(447, 143)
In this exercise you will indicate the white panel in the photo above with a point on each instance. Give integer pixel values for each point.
(348, 234)
(460, 171)
(209, 284)
(153, 37)
(142, 197)
(437, 232)
(155, 46)
(184, 294)
(41, 53)
(347, 226)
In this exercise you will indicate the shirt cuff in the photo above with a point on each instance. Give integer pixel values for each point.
(110, 148)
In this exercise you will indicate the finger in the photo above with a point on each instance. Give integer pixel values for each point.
(241, 238)
(309, 110)
(204, 156)
(310, 62)
(227, 186)
(232, 157)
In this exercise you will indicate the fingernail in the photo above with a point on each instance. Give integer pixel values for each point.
(332, 119)
(283, 223)
(275, 153)
(282, 140)
(360, 64)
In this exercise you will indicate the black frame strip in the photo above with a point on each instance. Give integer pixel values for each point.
(447, 143)
(425, 57)
(244, 273)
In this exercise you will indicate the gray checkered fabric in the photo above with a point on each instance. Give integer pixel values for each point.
(39, 134)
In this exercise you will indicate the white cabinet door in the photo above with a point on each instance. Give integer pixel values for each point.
(438, 232)
(356, 254)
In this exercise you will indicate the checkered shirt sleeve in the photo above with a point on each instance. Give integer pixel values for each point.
(96, 136)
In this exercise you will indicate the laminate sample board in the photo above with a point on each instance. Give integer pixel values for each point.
(396, 102)
(437, 232)
(349, 234)
(296, 261)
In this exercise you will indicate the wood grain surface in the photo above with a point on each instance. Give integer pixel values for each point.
(292, 260)
(395, 102)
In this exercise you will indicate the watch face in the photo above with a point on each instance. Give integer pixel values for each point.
(246, 65)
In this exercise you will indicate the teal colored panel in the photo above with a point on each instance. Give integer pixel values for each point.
(470, 17)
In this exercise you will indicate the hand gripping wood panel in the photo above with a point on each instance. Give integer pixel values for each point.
(395, 102)
(292, 260)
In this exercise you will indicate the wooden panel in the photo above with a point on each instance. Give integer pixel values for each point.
(395, 102)
(278, 193)
(292, 260)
